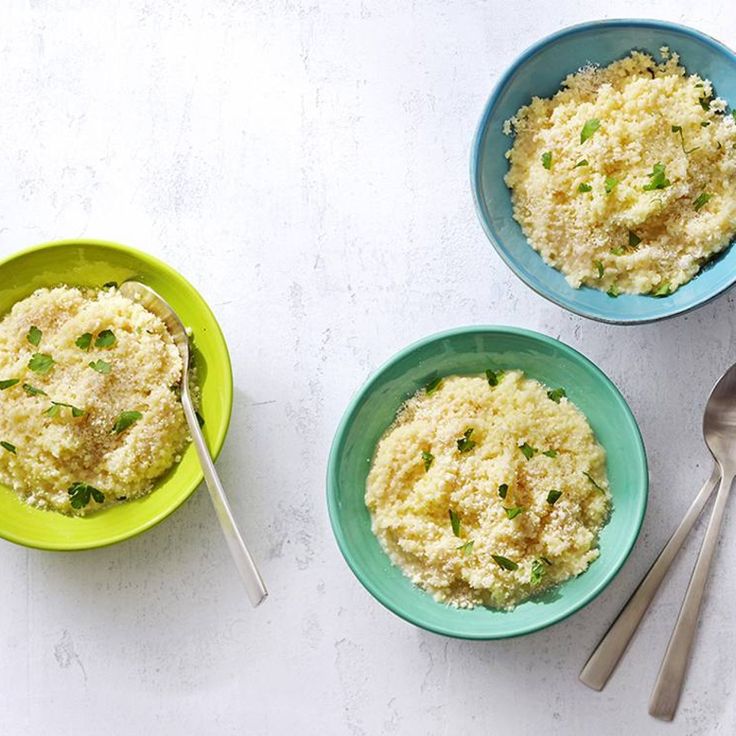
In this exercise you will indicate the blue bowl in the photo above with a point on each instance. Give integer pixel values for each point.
(539, 71)
(468, 350)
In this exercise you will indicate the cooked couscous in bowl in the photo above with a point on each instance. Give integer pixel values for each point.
(486, 482)
(90, 414)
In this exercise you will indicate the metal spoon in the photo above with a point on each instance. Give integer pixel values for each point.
(719, 431)
(254, 585)
(613, 645)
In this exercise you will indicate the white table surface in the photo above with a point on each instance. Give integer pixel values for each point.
(305, 164)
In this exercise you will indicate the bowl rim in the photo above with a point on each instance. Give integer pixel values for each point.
(217, 442)
(337, 448)
(490, 104)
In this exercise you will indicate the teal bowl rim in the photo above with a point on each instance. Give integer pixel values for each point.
(217, 441)
(503, 81)
(337, 447)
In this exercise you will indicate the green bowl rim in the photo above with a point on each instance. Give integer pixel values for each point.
(217, 442)
(366, 388)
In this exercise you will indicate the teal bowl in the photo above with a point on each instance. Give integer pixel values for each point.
(539, 71)
(470, 350)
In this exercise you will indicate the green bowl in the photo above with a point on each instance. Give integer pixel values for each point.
(464, 351)
(93, 263)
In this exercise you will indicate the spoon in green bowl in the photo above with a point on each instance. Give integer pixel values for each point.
(151, 300)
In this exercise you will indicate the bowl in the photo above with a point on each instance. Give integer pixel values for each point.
(539, 71)
(469, 350)
(93, 263)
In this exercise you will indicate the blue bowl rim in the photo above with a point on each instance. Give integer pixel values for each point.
(337, 447)
(490, 105)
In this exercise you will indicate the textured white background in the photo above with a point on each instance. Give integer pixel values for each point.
(305, 164)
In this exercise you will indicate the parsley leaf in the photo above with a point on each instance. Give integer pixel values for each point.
(33, 391)
(84, 341)
(550, 453)
(591, 479)
(505, 562)
(582, 162)
(428, 459)
(634, 239)
(611, 182)
(503, 489)
(34, 336)
(100, 366)
(538, 572)
(678, 129)
(454, 522)
(494, 377)
(657, 179)
(589, 128)
(547, 160)
(701, 201)
(585, 187)
(552, 497)
(55, 407)
(110, 285)
(7, 384)
(599, 266)
(41, 363)
(662, 290)
(613, 291)
(705, 102)
(8, 447)
(125, 420)
(556, 394)
(528, 450)
(514, 511)
(81, 493)
(466, 548)
(106, 339)
(465, 444)
(618, 251)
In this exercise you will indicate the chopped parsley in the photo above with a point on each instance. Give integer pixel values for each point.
(634, 239)
(704, 124)
(34, 336)
(454, 522)
(599, 267)
(582, 162)
(433, 385)
(537, 573)
(662, 290)
(503, 489)
(611, 182)
(513, 511)
(589, 128)
(84, 341)
(465, 444)
(428, 459)
(8, 447)
(657, 178)
(701, 201)
(556, 394)
(618, 251)
(678, 129)
(466, 548)
(81, 493)
(704, 101)
(56, 407)
(585, 187)
(550, 453)
(552, 497)
(528, 450)
(7, 384)
(125, 420)
(110, 285)
(493, 377)
(592, 480)
(613, 291)
(100, 366)
(505, 562)
(33, 391)
(547, 160)
(106, 339)
(41, 363)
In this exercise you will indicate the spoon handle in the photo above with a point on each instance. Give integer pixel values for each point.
(612, 646)
(667, 688)
(252, 580)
